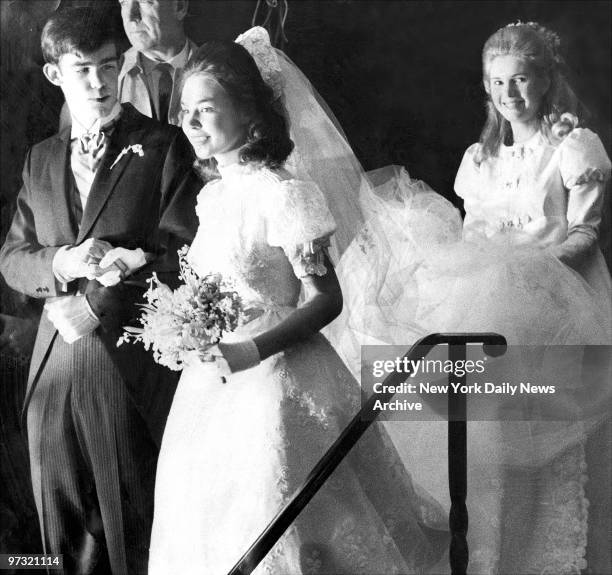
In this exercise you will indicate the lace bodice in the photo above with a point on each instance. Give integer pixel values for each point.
(546, 190)
(260, 227)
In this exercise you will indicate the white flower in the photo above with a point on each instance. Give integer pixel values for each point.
(134, 148)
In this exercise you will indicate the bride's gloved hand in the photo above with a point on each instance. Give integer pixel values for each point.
(119, 263)
(234, 357)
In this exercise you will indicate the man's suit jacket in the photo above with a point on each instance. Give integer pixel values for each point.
(143, 201)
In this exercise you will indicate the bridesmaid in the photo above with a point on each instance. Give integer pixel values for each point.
(525, 263)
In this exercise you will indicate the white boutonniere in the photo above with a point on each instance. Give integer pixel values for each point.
(134, 148)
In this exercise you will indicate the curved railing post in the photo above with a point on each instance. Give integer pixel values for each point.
(493, 344)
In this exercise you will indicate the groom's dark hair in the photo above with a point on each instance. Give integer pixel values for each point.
(76, 30)
(232, 66)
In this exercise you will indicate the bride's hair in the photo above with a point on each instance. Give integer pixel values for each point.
(539, 47)
(231, 65)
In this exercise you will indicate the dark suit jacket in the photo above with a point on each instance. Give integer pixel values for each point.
(142, 201)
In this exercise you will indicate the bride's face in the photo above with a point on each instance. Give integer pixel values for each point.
(515, 89)
(212, 123)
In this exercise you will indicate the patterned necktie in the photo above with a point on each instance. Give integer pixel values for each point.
(164, 90)
(92, 146)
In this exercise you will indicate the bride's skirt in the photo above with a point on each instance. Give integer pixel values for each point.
(410, 273)
(233, 453)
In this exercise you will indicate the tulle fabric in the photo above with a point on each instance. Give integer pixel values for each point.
(322, 154)
(411, 272)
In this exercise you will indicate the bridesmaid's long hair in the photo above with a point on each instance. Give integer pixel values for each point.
(268, 142)
(539, 47)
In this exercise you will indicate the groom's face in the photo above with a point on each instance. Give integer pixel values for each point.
(89, 82)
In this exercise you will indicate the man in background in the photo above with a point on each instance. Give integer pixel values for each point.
(151, 69)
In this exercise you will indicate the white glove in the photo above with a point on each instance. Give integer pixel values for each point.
(73, 262)
(214, 354)
(71, 316)
(118, 263)
(240, 355)
(234, 357)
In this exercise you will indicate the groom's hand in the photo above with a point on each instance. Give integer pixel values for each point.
(119, 263)
(71, 316)
(82, 261)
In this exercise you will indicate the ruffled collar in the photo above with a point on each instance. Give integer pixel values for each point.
(522, 149)
(236, 170)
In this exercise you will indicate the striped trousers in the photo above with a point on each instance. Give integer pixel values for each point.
(92, 462)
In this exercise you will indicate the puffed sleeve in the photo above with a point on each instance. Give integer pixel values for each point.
(466, 181)
(469, 184)
(585, 169)
(299, 221)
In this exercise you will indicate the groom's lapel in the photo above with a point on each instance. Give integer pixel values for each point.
(60, 199)
(129, 131)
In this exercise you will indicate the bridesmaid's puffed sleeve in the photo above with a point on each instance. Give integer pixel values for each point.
(468, 186)
(299, 221)
(467, 179)
(585, 169)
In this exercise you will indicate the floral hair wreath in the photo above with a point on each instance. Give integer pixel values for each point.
(551, 39)
(257, 43)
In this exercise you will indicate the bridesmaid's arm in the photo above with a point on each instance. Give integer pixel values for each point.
(585, 170)
(585, 201)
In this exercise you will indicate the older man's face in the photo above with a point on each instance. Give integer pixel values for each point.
(150, 24)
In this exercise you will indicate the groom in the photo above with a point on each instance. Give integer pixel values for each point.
(114, 179)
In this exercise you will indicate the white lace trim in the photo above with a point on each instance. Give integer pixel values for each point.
(298, 214)
(257, 42)
(565, 534)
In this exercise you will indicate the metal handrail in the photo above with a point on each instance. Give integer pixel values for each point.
(493, 345)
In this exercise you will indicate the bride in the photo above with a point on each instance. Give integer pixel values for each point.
(245, 430)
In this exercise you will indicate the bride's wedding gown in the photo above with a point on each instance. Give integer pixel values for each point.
(233, 453)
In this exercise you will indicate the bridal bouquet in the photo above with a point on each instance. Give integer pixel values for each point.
(181, 324)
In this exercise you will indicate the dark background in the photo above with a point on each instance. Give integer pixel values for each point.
(403, 78)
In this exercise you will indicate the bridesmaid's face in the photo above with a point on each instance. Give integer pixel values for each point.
(515, 89)
(212, 123)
